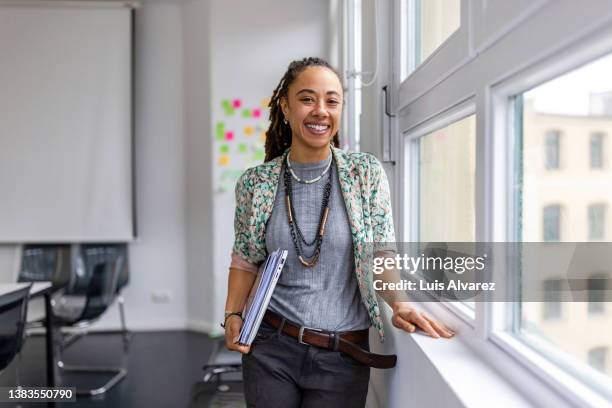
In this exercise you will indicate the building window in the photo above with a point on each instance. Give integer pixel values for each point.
(597, 358)
(596, 287)
(551, 308)
(597, 221)
(552, 149)
(596, 150)
(552, 223)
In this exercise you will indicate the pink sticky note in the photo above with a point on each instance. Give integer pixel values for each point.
(236, 103)
(229, 135)
(256, 113)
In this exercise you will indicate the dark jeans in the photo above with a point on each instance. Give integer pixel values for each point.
(280, 372)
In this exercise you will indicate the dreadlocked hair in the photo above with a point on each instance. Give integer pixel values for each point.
(278, 135)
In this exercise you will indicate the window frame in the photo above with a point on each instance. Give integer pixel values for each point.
(550, 365)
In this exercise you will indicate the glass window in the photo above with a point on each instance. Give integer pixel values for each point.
(558, 121)
(596, 150)
(596, 287)
(552, 222)
(447, 165)
(552, 150)
(597, 221)
(551, 309)
(597, 358)
(426, 24)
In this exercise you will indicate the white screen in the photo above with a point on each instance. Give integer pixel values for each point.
(65, 124)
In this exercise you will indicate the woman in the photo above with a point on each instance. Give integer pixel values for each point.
(323, 205)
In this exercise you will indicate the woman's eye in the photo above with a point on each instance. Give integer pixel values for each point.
(307, 100)
(333, 102)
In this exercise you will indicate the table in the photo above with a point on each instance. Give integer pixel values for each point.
(40, 289)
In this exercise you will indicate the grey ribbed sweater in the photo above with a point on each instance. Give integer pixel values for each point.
(325, 296)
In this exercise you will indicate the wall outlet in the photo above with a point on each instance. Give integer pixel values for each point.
(161, 296)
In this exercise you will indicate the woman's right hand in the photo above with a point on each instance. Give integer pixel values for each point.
(233, 325)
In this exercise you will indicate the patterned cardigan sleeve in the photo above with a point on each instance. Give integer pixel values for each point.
(380, 206)
(242, 253)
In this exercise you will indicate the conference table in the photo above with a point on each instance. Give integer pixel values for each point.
(38, 289)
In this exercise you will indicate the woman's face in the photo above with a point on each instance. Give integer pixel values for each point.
(313, 107)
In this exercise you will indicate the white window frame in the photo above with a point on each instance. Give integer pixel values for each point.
(425, 102)
(546, 362)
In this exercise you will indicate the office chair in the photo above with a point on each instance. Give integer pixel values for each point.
(94, 287)
(88, 278)
(13, 311)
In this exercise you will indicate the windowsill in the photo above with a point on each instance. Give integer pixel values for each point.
(478, 373)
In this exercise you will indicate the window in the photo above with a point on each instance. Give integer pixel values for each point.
(551, 308)
(596, 150)
(597, 221)
(596, 286)
(552, 150)
(551, 226)
(447, 164)
(560, 109)
(428, 24)
(597, 358)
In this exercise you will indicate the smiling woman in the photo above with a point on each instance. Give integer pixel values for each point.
(323, 205)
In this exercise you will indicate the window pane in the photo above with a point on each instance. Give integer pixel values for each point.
(426, 24)
(552, 150)
(563, 123)
(597, 358)
(446, 182)
(596, 147)
(597, 221)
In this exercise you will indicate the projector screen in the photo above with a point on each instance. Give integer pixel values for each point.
(65, 123)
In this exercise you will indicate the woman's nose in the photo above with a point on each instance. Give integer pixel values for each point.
(320, 109)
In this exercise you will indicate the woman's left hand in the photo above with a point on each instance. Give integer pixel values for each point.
(407, 318)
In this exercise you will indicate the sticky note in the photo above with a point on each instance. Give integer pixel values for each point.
(220, 130)
(225, 104)
(242, 148)
(246, 113)
(259, 155)
(256, 113)
(236, 103)
(248, 130)
(265, 102)
(229, 135)
(224, 148)
(262, 136)
(224, 160)
(230, 111)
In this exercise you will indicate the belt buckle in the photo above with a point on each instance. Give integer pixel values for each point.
(301, 334)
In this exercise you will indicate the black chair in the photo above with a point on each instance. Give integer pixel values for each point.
(88, 278)
(98, 271)
(13, 311)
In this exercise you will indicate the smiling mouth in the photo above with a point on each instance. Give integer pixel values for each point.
(317, 128)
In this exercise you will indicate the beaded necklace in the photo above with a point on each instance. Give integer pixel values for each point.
(296, 232)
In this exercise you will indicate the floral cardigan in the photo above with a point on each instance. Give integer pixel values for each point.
(365, 190)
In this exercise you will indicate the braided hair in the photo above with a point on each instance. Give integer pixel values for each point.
(278, 135)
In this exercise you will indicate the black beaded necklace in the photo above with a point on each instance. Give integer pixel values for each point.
(295, 228)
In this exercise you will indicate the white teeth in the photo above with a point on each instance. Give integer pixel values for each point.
(318, 128)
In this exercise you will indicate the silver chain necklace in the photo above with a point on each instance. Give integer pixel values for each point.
(299, 180)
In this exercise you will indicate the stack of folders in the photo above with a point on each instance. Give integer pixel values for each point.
(260, 295)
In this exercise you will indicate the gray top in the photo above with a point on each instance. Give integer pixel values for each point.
(326, 295)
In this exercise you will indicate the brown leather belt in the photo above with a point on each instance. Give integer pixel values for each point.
(337, 341)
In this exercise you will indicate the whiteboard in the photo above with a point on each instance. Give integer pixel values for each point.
(65, 124)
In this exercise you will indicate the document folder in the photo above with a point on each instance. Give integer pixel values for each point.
(261, 295)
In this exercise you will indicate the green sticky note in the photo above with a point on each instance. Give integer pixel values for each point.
(242, 148)
(230, 111)
(224, 148)
(246, 113)
(258, 155)
(220, 130)
(226, 104)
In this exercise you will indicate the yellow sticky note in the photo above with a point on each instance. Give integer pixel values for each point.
(265, 102)
(224, 160)
(248, 130)
(262, 136)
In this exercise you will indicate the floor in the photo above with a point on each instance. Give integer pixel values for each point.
(163, 368)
